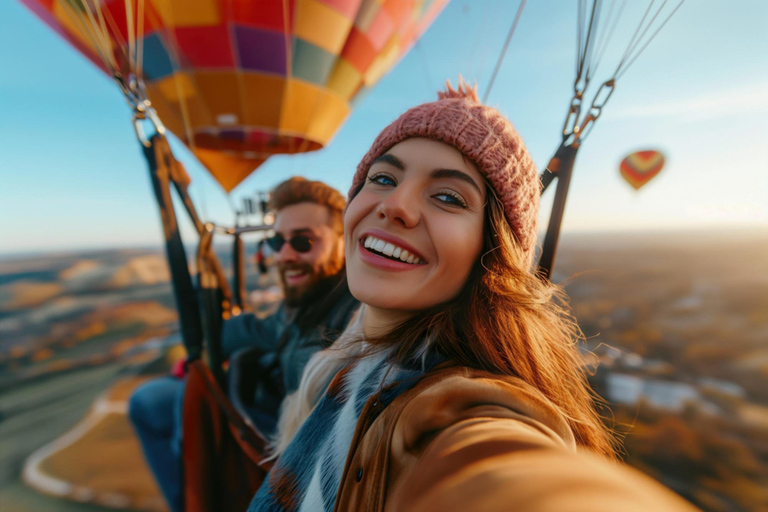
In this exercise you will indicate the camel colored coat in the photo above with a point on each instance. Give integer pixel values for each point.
(466, 440)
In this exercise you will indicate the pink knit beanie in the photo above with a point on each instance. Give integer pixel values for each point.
(486, 138)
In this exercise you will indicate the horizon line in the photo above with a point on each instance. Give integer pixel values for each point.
(733, 229)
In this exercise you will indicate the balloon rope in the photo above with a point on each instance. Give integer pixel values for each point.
(288, 59)
(607, 35)
(581, 14)
(592, 57)
(87, 31)
(104, 31)
(585, 53)
(101, 31)
(140, 39)
(634, 37)
(116, 34)
(131, 33)
(504, 49)
(653, 36)
(288, 45)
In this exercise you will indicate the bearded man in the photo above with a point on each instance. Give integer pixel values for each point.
(308, 248)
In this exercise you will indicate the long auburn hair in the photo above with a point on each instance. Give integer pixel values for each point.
(506, 320)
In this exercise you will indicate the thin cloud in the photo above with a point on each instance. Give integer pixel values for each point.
(749, 99)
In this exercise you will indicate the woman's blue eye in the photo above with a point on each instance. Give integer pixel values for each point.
(382, 179)
(451, 199)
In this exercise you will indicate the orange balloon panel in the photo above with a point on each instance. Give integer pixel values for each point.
(640, 167)
(240, 80)
(235, 167)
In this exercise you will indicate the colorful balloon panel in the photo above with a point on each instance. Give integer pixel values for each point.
(241, 80)
(640, 167)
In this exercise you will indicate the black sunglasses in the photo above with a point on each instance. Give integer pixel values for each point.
(300, 243)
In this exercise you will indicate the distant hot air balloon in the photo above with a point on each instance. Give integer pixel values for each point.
(639, 168)
(240, 80)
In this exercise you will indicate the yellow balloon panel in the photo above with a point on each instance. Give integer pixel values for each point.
(330, 113)
(188, 13)
(321, 25)
(345, 79)
(300, 102)
(385, 60)
(177, 87)
(263, 99)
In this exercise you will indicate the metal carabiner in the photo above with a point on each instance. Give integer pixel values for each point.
(584, 128)
(143, 112)
(599, 101)
(606, 90)
(572, 117)
(140, 134)
(135, 95)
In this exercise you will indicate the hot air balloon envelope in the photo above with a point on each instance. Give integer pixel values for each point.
(640, 167)
(240, 80)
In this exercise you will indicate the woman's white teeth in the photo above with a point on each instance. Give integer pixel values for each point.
(390, 249)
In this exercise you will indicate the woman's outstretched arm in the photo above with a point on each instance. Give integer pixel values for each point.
(487, 446)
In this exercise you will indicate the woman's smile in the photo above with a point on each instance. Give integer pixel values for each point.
(387, 252)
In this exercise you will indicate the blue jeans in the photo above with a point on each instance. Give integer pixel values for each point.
(155, 411)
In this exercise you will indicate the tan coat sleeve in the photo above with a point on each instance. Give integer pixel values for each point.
(483, 445)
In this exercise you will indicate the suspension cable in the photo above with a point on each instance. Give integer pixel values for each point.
(504, 50)
(589, 55)
(639, 33)
(586, 51)
(606, 35)
(589, 52)
(623, 70)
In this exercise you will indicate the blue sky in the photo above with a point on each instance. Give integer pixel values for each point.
(72, 175)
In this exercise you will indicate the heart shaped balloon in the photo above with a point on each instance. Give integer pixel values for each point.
(642, 166)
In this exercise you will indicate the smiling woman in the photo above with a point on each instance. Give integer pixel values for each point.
(422, 198)
(459, 386)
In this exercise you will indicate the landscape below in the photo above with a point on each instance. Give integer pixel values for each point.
(676, 330)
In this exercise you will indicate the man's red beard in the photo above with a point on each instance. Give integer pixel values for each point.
(314, 286)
